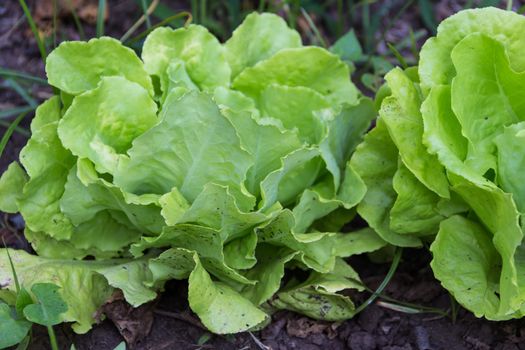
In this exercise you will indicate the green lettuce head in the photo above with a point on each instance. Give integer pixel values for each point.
(218, 163)
(447, 157)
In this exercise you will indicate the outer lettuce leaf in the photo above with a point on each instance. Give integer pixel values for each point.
(47, 164)
(365, 240)
(11, 186)
(258, 37)
(102, 123)
(220, 308)
(403, 120)
(486, 96)
(497, 211)
(81, 287)
(44, 149)
(511, 161)
(317, 297)
(200, 51)
(87, 194)
(436, 67)
(48, 247)
(313, 68)
(205, 241)
(466, 263)
(75, 67)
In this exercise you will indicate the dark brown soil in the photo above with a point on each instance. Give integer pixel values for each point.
(168, 324)
(174, 327)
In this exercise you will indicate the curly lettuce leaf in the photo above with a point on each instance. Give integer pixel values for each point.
(101, 123)
(436, 67)
(202, 54)
(259, 37)
(486, 96)
(404, 122)
(194, 144)
(318, 297)
(474, 278)
(376, 160)
(11, 186)
(511, 160)
(76, 67)
(313, 68)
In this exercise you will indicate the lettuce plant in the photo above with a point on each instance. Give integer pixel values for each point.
(446, 159)
(222, 164)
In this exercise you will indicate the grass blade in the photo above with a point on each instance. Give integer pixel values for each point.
(393, 267)
(234, 13)
(427, 14)
(4, 72)
(16, 110)
(202, 11)
(55, 22)
(32, 25)
(314, 28)
(144, 4)
(10, 131)
(78, 24)
(15, 276)
(163, 22)
(21, 91)
(194, 11)
(18, 129)
(141, 20)
(262, 5)
(101, 12)
(398, 55)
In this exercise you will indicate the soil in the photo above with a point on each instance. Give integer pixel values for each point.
(168, 323)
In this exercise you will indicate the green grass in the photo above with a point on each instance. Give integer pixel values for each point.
(101, 12)
(10, 130)
(34, 29)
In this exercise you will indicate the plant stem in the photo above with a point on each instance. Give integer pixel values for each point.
(52, 338)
